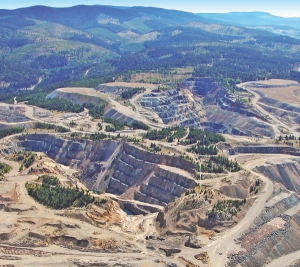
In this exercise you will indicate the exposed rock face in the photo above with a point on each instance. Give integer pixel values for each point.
(118, 168)
(170, 251)
(193, 212)
(239, 190)
(275, 233)
(174, 107)
(193, 242)
(214, 93)
(89, 95)
(237, 123)
(198, 102)
(287, 173)
(265, 150)
(286, 112)
(113, 113)
(201, 102)
(225, 113)
(78, 98)
(202, 86)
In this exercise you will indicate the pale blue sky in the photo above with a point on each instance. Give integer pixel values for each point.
(285, 8)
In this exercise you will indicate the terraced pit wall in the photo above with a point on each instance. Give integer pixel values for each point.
(264, 150)
(118, 168)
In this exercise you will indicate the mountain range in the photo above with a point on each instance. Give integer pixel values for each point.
(258, 20)
(85, 45)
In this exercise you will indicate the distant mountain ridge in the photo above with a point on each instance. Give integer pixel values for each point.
(83, 16)
(87, 45)
(253, 19)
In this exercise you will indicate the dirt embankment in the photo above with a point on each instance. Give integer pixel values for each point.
(113, 108)
(263, 149)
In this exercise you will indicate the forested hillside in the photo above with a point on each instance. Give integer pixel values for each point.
(86, 45)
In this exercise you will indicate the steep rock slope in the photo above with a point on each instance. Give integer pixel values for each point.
(118, 168)
(201, 102)
(175, 107)
(263, 149)
(274, 233)
(225, 113)
(287, 173)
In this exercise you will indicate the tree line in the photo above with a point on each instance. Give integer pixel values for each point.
(47, 126)
(4, 168)
(203, 138)
(129, 93)
(10, 131)
(169, 133)
(52, 194)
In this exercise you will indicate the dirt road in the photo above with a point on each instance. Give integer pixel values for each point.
(276, 123)
(220, 248)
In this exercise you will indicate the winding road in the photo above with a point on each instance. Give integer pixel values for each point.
(277, 122)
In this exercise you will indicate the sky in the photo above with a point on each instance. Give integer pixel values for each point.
(283, 8)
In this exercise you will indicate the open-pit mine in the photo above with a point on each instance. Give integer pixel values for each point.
(197, 175)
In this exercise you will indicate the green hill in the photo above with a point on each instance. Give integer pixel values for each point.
(42, 46)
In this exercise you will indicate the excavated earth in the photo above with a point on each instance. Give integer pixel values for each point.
(182, 233)
(14, 116)
(278, 97)
(198, 102)
(88, 95)
(273, 234)
(118, 168)
(201, 102)
(286, 173)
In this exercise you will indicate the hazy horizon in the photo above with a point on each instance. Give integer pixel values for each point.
(288, 8)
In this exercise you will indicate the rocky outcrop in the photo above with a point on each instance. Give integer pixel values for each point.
(193, 242)
(118, 167)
